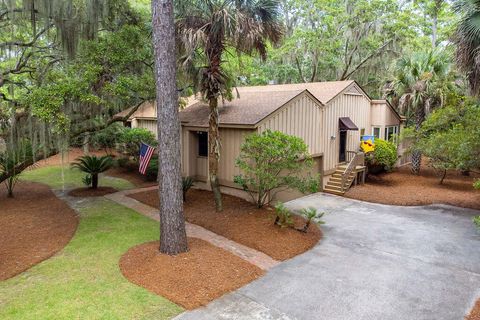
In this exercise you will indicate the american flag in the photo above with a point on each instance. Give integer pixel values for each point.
(146, 153)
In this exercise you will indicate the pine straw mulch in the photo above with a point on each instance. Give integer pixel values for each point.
(475, 313)
(71, 155)
(403, 188)
(242, 222)
(89, 192)
(34, 225)
(190, 279)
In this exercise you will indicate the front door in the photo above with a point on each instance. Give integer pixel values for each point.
(343, 146)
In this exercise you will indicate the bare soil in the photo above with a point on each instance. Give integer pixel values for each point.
(133, 176)
(34, 225)
(475, 313)
(190, 279)
(242, 222)
(89, 192)
(403, 188)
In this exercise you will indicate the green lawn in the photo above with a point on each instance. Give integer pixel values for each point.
(84, 280)
(72, 178)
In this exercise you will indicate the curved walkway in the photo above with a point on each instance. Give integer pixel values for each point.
(375, 262)
(253, 256)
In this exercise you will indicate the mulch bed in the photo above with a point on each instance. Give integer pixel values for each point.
(89, 192)
(133, 176)
(475, 313)
(71, 155)
(34, 225)
(190, 279)
(403, 188)
(242, 222)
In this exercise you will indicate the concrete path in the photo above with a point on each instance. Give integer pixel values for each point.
(253, 256)
(375, 262)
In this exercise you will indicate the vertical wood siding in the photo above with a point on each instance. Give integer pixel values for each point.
(231, 140)
(150, 125)
(302, 117)
(356, 107)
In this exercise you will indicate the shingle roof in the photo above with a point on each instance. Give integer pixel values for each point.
(256, 103)
(253, 104)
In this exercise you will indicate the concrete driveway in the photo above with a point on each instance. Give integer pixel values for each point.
(375, 262)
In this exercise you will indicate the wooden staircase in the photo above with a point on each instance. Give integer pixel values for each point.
(347, 174)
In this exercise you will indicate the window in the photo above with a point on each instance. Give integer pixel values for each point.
(362, 133)
(202, 138)
(376, 132)
(391, 133)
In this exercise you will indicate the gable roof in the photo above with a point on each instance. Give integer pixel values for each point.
(252, 105)
(256, 103)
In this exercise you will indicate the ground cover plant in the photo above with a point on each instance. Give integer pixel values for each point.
(68, 178)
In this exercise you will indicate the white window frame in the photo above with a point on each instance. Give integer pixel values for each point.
(379, 132)
(394, 133)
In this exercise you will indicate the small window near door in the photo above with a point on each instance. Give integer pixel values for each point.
(376, 132)
(391, 133)
(202, 144)
(362, 133)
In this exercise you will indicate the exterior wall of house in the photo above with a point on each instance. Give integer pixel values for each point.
(382, 117)
(302, 117)
(354, 105)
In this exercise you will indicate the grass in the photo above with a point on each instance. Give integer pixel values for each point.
(84, 281)
(72, 178)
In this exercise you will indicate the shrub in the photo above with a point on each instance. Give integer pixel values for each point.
(187, 183)
(311, 215)
(283, 216)
(108, 138)
(93, 166)
(271, 162)
(476, 184)
(9, 161)
(152, 170)
(131, 140)
(383, 157)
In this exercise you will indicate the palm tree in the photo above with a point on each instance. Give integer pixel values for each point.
(93, 166)
(467, 40)
(422, 81)
(205, 30)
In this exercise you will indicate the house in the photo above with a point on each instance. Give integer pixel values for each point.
(329, 116)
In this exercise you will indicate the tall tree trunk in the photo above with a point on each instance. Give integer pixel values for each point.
(173, 237)
(214, 153)
(417, 154)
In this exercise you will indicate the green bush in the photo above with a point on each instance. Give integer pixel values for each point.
(108, 138)
(311, 215)
(476, 184)
(273, 161)
(383, 157)
(187, 183)
(131, 140)
(152, 170)
(283, 216)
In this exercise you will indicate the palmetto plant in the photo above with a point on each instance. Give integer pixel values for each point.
(10, 161)
(422, 80)
(93, 166)
(467, 40)
(205, 30)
